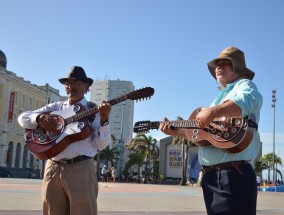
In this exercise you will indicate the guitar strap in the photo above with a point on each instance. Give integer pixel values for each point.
(91, 105)
(252, 124)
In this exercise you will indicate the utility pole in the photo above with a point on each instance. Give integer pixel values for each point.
(273, 106)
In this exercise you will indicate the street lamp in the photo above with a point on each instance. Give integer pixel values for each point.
(121, 143)
(273, 106)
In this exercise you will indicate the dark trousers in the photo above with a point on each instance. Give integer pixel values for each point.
(228, 192)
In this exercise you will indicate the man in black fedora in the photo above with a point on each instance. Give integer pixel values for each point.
(70, 185)
(228, 183)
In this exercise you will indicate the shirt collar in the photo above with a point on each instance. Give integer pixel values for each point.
(82, 102)
(229, 86)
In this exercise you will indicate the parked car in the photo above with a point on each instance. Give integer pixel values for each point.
(5, 174)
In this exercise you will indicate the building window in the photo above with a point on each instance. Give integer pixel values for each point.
(16, 99)
(18, 155)
(10, 154)
(23, 101)
(25, 156)
(30, 103)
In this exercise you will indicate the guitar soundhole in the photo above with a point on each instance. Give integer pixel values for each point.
(52, 135)
(195, 131)
(237, 122)
(213, 130)
(59, 126)
(76, 108)
(226, 135)
(37, 133)
(194, 137)
(234, 130)
(42, 138)
(81, 125)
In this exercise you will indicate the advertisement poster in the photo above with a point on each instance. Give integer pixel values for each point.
(175, 158)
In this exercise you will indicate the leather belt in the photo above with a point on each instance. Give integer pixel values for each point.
(72, 160)
(220, 166)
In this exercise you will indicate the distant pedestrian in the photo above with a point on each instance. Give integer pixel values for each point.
(258, 180)
(104, 173)
(113, 174)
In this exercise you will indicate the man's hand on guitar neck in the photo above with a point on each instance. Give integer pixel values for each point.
(104, 110)
(47, 122)
(167, 128)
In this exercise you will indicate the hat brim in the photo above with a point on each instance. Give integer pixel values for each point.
(244, 71)
(87, 80)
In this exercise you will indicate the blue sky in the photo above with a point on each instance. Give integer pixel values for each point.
(164, 44)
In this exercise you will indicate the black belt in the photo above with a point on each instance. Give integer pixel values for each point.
(220, 166)
(73, 160)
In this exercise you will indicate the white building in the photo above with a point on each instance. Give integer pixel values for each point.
(121, 115)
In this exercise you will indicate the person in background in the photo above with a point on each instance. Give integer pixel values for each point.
(228, 183)
(104, 173)
(258, 181)
(70, 184)
(113, 174)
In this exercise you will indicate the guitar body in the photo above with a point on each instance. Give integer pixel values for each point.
(45, 145)
(231, 134)
(72, 126)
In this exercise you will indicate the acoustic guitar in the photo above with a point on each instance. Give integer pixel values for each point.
(232, 134)
(72, 126)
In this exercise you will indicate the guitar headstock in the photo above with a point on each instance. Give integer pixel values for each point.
(145, 126)
(143, 93)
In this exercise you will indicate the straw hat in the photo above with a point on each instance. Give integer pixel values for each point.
(237, 58)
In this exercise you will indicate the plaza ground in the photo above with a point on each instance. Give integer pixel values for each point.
(23, 197)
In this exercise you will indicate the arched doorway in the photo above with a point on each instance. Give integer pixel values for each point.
(9, 157)
(25, 156)
(18, 155)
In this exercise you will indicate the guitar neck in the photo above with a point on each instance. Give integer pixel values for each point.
(93, 110)
(185, 124)
(175, 124)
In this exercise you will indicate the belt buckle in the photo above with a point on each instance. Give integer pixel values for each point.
(64, 162)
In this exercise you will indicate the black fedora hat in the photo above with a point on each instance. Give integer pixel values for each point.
(77, 72)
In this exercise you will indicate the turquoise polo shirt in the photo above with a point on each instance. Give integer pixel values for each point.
(245, 94)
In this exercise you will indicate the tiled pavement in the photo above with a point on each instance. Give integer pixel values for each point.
(22, 197)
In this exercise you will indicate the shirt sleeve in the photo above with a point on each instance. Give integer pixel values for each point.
(101, 134)
(247, 97)
(27, 119)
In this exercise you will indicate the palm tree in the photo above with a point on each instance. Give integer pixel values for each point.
(147, 146)
(185, 144)
(109, 155)
(268, 160)
(278, 161)
(259, 166)
(135, 158)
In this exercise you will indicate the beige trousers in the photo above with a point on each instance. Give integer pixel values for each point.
(70, 189)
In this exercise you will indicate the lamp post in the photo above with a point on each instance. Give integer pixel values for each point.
(273, 106)
(121, 144)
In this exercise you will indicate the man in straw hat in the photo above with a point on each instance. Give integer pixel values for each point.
(228, 182)
(70, 185)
